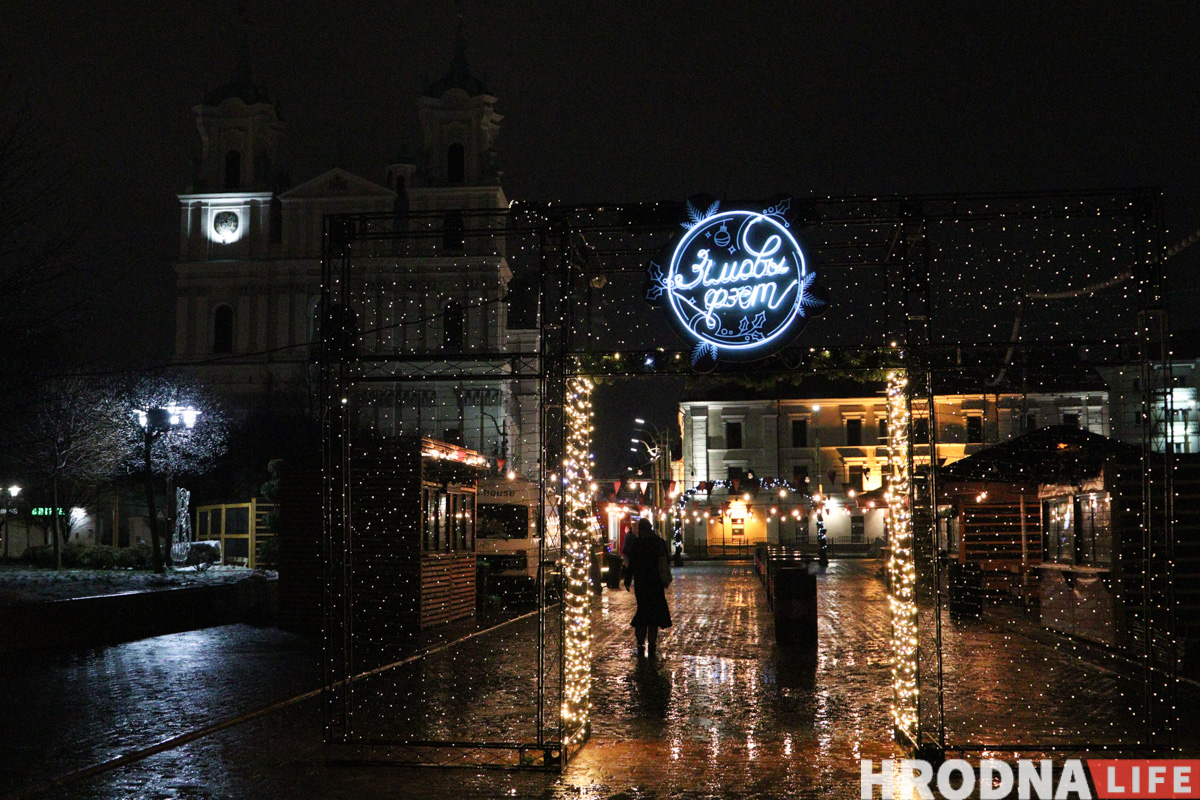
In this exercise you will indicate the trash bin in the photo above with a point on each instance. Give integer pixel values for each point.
(612, 577)
(795, 607)
(966, 591)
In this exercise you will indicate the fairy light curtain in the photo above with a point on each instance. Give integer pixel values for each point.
(1037, 310)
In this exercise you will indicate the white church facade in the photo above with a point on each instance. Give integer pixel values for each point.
(248, 278)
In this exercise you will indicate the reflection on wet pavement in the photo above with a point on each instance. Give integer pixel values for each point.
(722, 713)
(67, 711)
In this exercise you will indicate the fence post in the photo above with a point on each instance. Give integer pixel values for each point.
(250, 559)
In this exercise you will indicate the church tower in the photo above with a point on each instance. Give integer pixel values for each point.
(240, 134)
(230, 209)
(459, 125)
(457, 170)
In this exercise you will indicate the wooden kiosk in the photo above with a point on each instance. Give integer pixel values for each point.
(414, 534)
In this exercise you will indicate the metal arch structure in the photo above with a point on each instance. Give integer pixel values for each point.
(891, 261)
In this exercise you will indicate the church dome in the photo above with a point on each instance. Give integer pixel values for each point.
(241, 85)
(459, 75)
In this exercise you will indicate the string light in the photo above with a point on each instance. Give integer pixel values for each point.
(581, 532)
(902, 567)
(1072, 250)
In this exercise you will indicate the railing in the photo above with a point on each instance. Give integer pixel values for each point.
(702, 550)
(241, 528)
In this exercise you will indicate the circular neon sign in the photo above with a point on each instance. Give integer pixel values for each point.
(736, 283)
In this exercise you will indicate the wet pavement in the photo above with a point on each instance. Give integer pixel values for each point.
(66, 711)
(723, 713)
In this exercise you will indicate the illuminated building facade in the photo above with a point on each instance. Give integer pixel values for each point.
(754, 465)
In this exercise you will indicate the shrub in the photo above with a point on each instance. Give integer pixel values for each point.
(138, 556)
(41, 555)
(85, 556)
(268, 553)
(100, 556)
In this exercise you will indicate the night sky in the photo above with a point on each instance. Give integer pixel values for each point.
(619, 101)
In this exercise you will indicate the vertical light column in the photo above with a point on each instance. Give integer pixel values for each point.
(577, 539)
(901, 563)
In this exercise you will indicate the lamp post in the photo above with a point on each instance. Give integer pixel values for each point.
(822, 546)
(653, 453)
(11, 494)
(660, 450)
(155, 422)
(817, 445)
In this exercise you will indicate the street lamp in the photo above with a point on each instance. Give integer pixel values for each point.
(11, 492)
(155, 422)
(659, 449)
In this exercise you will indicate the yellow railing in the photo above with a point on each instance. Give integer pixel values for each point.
(241, 528)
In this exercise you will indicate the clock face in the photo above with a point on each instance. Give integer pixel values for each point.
(225, 225)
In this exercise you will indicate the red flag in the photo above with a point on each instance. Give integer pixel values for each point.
(616, 487)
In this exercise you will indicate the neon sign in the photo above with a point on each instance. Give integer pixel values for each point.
(736, 283)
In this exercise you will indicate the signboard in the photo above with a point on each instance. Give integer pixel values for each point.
(736, 283)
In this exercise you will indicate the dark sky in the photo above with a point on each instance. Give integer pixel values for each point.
(622, 100)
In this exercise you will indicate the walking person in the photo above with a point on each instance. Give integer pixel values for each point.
(645, 552)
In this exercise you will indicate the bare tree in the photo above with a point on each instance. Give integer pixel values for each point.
(163, 439)
(70, 441)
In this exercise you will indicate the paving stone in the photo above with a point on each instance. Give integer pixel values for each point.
(722, 713)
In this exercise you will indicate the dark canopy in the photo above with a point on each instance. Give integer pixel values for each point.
(1054, 454)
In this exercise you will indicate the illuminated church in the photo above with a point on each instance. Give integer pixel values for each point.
(248, 278)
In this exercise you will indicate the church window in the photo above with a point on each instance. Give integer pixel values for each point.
(456, 164)
(233, 170)
(453, 237)
(453, 327)
(223, 330)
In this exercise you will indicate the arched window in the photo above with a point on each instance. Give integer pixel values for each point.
(223, 330)
(453, 327)
(233, 170)
(456, 164)
(453, 237)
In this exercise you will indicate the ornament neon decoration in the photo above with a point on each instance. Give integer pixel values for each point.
(736, 283)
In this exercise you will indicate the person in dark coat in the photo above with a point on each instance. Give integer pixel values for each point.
(644, 553)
